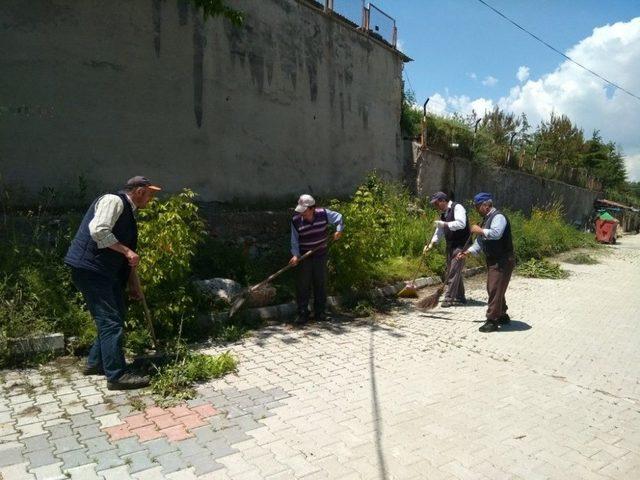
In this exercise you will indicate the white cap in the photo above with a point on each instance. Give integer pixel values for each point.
(305, 201)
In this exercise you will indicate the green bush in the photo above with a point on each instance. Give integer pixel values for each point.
(169, 233)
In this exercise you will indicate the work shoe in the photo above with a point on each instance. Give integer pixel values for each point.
(93, 370)
(128, 381)
(489, 326)
(301, 319)
(447, 304)
(459, 301)
(504, 319)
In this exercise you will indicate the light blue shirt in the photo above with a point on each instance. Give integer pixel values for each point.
(334, 218)
(496, 231)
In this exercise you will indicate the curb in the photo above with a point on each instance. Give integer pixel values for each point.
(287, 310)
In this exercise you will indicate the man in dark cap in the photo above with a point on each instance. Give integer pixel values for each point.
(454, 227)
(494, 239)
(102, 257)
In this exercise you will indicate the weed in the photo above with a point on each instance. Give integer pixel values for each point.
(581, 259)
(535, 268)
(137, 403)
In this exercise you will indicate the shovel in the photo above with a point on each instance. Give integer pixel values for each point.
(246, 294)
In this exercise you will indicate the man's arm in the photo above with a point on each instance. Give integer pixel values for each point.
(107, 211)
(295, 245)
(335, 218)
(496, 231)
(459, 219)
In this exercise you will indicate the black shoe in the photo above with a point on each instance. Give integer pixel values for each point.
(93, 370)
(301, 319)
(128, 381)
(457, 302)
(446, 304)
(321, 317)
(489, 326)
(504, 319)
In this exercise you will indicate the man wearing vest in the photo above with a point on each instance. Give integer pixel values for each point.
(494, 239)
(308, 232)
(102, 257)
(454, 227)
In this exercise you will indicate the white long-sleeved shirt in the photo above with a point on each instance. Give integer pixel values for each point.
(108, 209)
(496, 231)
(458, 223)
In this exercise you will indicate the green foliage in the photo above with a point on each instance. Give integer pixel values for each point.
(410, 115)
(214, 8)
(381, 225)
(536, 268)
(174, 382)
(36, 293)
(545, 233)
(169, 233)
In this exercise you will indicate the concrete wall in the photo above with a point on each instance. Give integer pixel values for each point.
(511, 188)
(292, 101)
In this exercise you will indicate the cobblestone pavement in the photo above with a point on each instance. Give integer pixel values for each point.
(406, 395)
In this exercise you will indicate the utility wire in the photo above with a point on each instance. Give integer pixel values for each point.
(559, 52)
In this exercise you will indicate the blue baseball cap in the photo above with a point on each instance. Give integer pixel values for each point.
(482, 197)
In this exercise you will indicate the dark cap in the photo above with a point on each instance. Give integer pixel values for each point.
(139, 181)
(438, 196)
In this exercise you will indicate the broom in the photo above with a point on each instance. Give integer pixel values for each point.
(432, 300)
(410, 290)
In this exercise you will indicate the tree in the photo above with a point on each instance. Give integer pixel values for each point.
(214, 8)
(560, 141)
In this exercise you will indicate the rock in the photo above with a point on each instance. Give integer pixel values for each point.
(222, 288)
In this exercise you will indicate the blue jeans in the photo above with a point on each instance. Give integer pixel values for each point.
(105, 299)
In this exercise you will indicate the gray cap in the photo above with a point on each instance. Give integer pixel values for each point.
(438, 196)
(140, 181)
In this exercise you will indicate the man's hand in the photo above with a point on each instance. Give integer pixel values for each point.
(427, 248)
(294, 260)
(477, 230)
(462, 255)
(337, 236)
(439, 224)
(135, 293)
(133, 258)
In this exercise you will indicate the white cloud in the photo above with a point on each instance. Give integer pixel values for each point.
(523, 73)
(400, 45)
(489, 81)
(472, 76)
(611, 50)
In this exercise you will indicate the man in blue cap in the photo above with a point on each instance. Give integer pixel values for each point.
(454, 227)
(494, 239)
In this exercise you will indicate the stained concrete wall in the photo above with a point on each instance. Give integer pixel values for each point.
(292, 101)
(510, 188)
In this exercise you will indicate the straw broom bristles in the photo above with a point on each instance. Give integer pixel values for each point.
(432, 300)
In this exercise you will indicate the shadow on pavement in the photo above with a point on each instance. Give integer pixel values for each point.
(515, 326)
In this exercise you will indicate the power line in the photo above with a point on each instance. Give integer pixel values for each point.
(558, 51)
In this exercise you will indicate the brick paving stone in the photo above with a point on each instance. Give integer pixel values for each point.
(48, 472)
(17, 471)
(109, 420)
(165, 421)
(96, 445)
(176, 433)
(118, 432)
(83, 472)
(160, 447)
(88, 431)
(38, 458)
(74, 458)
(60, 431)
(192, 421)
(139, 461)
(203, 464)
(171, 462)
(65, 444)
(107, 460)
(119, 472)
(128, 445)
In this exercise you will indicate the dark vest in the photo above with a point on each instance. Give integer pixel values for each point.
(497, 250)
(314, 234)
(84, 252)
(455, 238)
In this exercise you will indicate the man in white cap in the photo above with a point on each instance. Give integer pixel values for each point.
(309, 232)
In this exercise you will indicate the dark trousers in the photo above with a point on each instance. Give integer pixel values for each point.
(455, 290)
(312, 272)
(105, 300)
(498, 277)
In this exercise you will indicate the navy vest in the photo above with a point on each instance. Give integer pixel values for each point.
(497, 250)
(84, 252)
(455, 238)
(314, 234)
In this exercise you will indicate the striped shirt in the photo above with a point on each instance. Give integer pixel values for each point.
(108, 209)
(334, 218)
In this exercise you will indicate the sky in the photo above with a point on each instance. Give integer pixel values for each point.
(466, 57)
